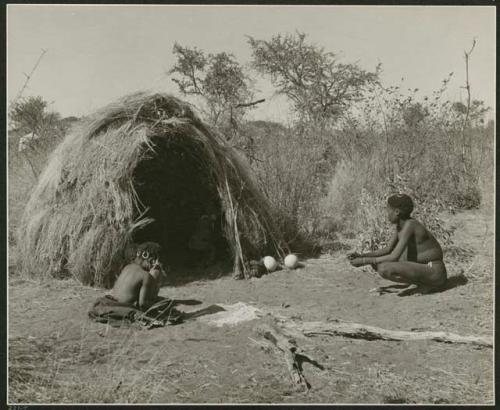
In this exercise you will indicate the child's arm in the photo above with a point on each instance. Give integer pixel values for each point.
(148, 288)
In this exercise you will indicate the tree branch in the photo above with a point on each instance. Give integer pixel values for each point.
(467, 112)
(28, 77)
(250, 104)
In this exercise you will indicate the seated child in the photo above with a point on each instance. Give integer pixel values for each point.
(413, 255)
(134, 297)
(139, 282)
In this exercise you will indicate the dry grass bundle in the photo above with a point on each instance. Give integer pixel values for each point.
(132, 171)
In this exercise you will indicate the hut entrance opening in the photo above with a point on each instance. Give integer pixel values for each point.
(175, 183)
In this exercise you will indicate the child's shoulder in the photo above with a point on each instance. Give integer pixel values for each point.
(133, 269)
(131, 265)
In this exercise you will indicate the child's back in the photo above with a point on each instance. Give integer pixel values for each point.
(129, 283)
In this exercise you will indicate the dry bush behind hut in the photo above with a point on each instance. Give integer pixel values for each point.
(143, 168)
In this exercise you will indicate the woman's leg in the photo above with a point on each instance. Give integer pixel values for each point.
(413, 273)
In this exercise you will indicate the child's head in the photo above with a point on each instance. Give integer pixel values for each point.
(401, 205)
(148, 255)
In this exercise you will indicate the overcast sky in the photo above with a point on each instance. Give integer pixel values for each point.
(97, 53)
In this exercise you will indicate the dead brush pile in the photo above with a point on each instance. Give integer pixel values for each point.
(85, 210)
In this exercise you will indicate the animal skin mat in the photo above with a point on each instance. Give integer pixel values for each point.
(107, 309)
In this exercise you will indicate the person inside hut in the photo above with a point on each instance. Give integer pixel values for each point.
(413, 256)
(201, 243)
(134, 296)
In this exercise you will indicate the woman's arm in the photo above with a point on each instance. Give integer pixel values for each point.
(383, 251)
(407, 231)
(379, 252)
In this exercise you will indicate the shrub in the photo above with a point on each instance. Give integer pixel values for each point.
(292, 167)
(34, 132)
(394, 143)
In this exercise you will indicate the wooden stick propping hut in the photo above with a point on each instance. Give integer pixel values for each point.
(141, 169)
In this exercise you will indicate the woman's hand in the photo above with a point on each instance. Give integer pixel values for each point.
(353, 255)
(357, 262)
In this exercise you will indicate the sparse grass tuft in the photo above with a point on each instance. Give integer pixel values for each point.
(110, 370)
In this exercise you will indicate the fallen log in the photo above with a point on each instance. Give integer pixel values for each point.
(294, 357)
(360, 331)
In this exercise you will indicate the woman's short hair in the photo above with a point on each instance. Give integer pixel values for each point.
(402, 202)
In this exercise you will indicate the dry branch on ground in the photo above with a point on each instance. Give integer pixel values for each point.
(294, 356)
(361, 331)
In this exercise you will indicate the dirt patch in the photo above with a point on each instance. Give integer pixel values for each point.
(74, 360)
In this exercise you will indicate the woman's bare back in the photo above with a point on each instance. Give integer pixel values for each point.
(422, 246)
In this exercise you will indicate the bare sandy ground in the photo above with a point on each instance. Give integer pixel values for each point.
(57, 355)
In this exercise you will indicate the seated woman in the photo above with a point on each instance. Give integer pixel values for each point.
(413, 255)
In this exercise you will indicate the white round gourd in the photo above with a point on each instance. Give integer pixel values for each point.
(270, 263)
(291, 261)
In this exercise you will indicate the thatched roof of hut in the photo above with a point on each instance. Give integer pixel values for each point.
(143, 168)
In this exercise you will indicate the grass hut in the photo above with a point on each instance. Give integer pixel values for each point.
(141, 169)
